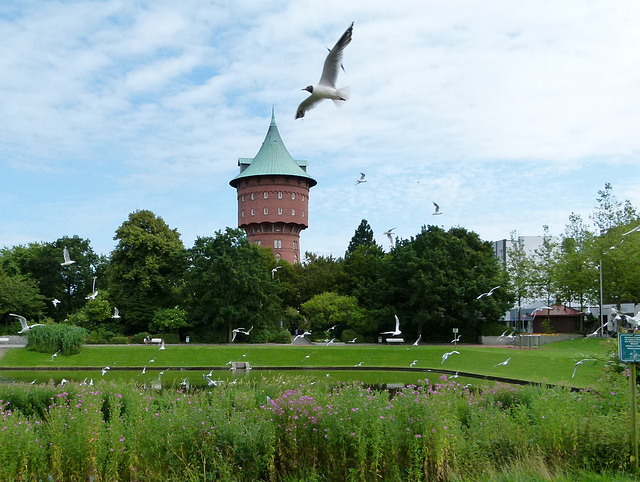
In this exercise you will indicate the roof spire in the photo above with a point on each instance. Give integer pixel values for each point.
(273, 115)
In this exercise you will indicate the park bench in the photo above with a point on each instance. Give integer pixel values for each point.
(398, 341)
(4, 339)
(156, 341)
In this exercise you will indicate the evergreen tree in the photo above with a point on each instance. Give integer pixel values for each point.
(362, 237)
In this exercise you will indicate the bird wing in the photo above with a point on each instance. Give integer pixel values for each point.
(334, 59)
(437, 207)
(397, 323)
(22, 319)
(307, 104)
(362, 176)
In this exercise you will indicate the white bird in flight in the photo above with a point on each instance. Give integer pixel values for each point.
(580, 363)
(273, 272)
(415, 343)
(637, 228)
(55, 355)
(362, 179)
(413, 363)
(330, 342)
(504, 363)
(396, 332)
(488, 293)
(162, 345)
(326, 87)
(23, 323)
(353, 341)
(303, 335)
(67, 259)
(437, 211)
(389, 234)
(240, 330)
(447, 355)
(55, 302)
(359, 364)
(456, 339)
(116, 313)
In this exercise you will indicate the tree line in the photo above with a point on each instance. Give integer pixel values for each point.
(152, 283)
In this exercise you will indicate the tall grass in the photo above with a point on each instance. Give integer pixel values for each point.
(295, 429)
(67, 339)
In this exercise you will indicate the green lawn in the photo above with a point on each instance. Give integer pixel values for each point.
(550, 364)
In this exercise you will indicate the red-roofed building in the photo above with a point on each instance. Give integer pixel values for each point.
(564, 319)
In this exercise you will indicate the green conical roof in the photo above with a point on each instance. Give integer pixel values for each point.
(272, 159)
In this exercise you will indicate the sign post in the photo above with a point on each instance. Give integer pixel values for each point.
(455, 337)
(629, 352)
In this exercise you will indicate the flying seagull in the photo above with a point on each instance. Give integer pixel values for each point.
(504, 363)
(162, 345)
(326, 87)
(396, 332)
(94, 293)
(447, 355)
(23, 322)
(580, 363)
(273, 272)
(456, 339)
(303, 335)
(413, 363)
(116, 313)
(389, 234)
(415, 343)
(359, 364)
(55, 302)
(637, 228)
(362, 179)
(353, 341)
(437, 211)
(67, 259)
(55, 355)
(488, 293)
(240, 330)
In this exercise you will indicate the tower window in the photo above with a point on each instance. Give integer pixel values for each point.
(242, 213)
(253, 196)
(303, 213)
(277, 243)
(303, 198)
(295, 259)
(259, 243)
(293, 212)
(295, 245)
(266, 194)
(252, 212)
(279, 210)
(266, 210)
(293, 195)
(280, 195)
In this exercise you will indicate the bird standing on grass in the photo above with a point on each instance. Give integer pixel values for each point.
(326, 87)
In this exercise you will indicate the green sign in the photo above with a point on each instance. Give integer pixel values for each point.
(629, 347)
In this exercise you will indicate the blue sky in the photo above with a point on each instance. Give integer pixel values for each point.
(510, 115)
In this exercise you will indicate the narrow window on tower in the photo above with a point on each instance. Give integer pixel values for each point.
(293, 212)
(279, 210)
(303, 213)
(266, 194)
(303, 198)
(253, 196)
(280, 195)
(266, 210)
(243, 213)
(295, 246)
(293, 195)
(277, 243)
(295, 259)
(242, 197)
(259, 243)
(252, 212)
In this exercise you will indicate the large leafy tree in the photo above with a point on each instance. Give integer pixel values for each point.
(329, 309)
(146, 269)
(519, 266)
(20, 295)
(41, 262)
(436, 277)
(544, 267)
(316, 275)
(229, 286)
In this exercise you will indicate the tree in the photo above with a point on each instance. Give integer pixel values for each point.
(229, 285)
(543, 281)
(610, 212)
(41, 262)
(146, 269)
(316, 275)
(362, 237)
(168, 320)
(329, 309)
(519, 267)
(19, 295)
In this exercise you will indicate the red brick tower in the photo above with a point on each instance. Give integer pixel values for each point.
(273, 197)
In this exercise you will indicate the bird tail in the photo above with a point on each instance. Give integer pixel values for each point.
(344, 93)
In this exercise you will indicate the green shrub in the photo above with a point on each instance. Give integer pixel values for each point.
(169, 338)
(66, 339)
(492, 329)
(120, 340)
(348, 335)
(281, 336)
(138, 338)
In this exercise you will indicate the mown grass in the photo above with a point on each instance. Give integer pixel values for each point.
(553, 364)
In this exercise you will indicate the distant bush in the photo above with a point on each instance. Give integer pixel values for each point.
(67, 339)
(119, 340)
(348, 335)
(281, 336)
(492, 329)
(169, 338)
(138, 338)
